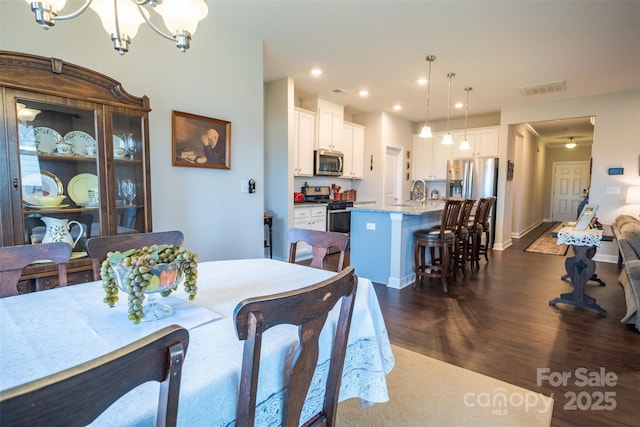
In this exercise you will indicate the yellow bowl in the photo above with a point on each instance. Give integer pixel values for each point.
(48, 200)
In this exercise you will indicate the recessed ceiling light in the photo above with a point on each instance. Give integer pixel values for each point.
(458, 105)
(364, 92)
(422, 81)
(397, 107)
(316, 71)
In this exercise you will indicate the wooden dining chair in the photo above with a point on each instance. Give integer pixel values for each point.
(479, 228)
(463, 247)
(99, 247)
(78, 395)
(320, 242)
(14, 258)
(308, 309)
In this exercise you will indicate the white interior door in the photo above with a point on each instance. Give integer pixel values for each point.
(392, 175)
(570, 183)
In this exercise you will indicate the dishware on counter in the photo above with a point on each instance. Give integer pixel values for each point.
(58, 230)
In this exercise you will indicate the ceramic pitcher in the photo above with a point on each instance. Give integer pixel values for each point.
(58, 230)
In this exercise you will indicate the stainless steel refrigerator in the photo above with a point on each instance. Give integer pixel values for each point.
(473, 179)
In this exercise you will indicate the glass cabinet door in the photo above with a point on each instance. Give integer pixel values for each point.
(129, 173)
(58, 159)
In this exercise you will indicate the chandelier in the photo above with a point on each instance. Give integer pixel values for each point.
(426, 129)
(121, 18)
(570, 144)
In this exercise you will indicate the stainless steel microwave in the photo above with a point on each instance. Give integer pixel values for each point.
(328, 163)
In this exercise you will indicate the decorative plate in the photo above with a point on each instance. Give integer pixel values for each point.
(43, 184)
(79, 142)
(79, 186)
(46, 139)
(49, 207)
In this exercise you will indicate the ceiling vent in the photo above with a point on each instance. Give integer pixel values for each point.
(341, 91)
(540, 89)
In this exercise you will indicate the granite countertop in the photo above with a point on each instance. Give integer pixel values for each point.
(415, 208)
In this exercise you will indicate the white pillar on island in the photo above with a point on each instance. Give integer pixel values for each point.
(382, 240)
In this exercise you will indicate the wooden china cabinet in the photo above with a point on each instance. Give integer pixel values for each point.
(67, 130)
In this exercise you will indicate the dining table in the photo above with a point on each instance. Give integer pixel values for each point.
(45, 332)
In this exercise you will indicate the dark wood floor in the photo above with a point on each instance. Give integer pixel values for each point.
(498, 322)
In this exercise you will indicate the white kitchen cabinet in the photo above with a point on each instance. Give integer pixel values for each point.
(329, 131)
(303, 148)
(483, 141)
(353, 143)
(430, 157)
(309, 218)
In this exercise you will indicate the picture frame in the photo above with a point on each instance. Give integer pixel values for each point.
(199, 141)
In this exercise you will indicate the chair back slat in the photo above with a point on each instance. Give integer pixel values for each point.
(14, 258)
(99, 247)
(78, 395)
(320, 242)
(450, 216)
(308, 309)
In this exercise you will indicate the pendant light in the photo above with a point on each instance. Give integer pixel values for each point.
(426, 129)
(464, 145)
(448, 140)
(570, 144)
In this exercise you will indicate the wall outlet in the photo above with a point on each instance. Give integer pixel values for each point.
(371, 226)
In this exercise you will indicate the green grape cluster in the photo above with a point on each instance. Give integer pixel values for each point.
(138, 278)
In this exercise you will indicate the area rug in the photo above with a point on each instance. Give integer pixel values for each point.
(427, 392)
(547, 244)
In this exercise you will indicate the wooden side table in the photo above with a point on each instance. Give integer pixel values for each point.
(268, 221)
(581, 267)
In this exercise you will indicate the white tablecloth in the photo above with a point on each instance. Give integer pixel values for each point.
(45, 332)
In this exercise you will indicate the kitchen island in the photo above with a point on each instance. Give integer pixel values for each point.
(382, 240)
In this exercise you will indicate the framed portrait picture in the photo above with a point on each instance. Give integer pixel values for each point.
(200, 142)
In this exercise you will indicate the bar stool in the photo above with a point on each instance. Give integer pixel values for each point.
(478, 228)
(462, 247)
(443, 239)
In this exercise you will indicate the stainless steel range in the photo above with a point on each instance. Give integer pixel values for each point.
(338, 216)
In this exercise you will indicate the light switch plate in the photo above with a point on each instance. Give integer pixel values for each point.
(613, 190)
(371, 226)
(244, 186)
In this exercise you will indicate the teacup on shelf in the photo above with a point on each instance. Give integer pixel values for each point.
(119, 152)
(63, 148)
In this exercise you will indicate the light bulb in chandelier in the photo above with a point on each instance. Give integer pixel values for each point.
(425, 132)
(570, 144)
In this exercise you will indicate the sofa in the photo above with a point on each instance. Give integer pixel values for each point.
(626, 229)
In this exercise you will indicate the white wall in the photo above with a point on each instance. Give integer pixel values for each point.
(219, 77)
(616, 143)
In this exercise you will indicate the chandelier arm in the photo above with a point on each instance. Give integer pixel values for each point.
(154, 28)
(76, 13)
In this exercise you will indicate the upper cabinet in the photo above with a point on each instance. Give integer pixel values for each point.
(353, 143)
(483, 142)
(304, 123)
(77, 134)
(430, 158)
(329, 123)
